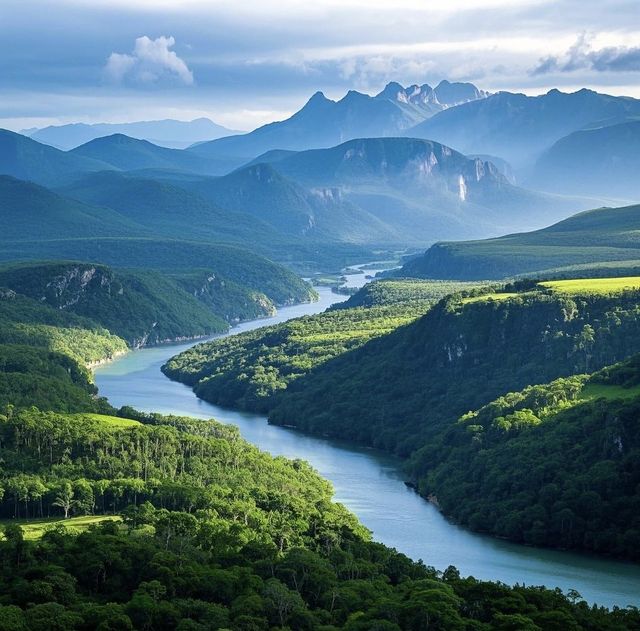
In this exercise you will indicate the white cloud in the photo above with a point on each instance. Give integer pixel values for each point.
(151, 61)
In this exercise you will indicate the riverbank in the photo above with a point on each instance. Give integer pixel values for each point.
(372, 484)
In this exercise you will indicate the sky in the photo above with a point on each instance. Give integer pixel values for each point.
(245, 63)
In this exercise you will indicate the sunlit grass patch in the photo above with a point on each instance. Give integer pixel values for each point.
(593, 285)
(35, 528)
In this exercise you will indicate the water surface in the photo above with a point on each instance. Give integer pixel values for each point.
(371, 484)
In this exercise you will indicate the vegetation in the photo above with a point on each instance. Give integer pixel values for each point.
(576, 437)
(250, 370)
(406, 290)
(593, 285)
(144, 307)
(463, 353)
(214, 535)
(603, 237)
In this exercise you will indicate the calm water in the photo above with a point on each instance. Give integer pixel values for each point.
(371, 484)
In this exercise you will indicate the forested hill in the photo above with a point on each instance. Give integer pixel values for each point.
(147, 307)
(576, 437)
(460, 355)
(119, 520)
(173, 523)
(404, 388)
(605, 238)
(251, 369)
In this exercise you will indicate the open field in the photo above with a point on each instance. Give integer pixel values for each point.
(35, 528)
(593, 285)
(114, 421)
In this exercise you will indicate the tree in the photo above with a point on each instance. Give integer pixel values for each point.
(64, 499)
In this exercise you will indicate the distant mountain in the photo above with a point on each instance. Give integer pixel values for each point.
(592, 243)
(325, 123)
(27, 159)
(30, 211)
(167, 133)
(127, 154)
(168, 210)
(602, 161)
(293, 209)
(422, 189)
(519, 128)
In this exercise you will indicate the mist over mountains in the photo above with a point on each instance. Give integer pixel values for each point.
(167, 133)
(403, 168)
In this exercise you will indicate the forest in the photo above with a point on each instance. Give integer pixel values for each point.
(250, 369)
(465, 351)
(121, 520)
(215, 534)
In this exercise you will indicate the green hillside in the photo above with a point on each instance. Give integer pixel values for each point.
(167, 209)
(26, 159)
(31, 211)
(386, 377)
(252, 369)
(140, 306)
(576, 437)
(224, 262)
(44, 354)
(128, 154)
(604, 237)
(175, 523)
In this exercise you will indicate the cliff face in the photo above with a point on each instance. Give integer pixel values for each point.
(141, 307)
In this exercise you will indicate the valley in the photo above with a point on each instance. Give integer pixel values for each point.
(298, 334)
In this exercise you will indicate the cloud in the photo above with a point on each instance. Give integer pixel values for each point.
(582, 56)
(150, 62)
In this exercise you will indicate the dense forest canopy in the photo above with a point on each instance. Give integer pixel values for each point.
(461, 354)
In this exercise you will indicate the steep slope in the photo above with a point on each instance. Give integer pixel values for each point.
(170, 210)
(217, 264)
(141, 307)
(459, 356)
(602, 161)
(519, 128)
(30, 211)
(578, 439)
(405, 390)
(424, 189)
(27, 159)
(324, 123)
(604, 235)
(318, 214)
(167, 133)
(128, 154)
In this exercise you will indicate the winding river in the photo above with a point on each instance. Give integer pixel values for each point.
(371, 484)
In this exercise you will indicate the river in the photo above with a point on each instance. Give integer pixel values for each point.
(371, 484)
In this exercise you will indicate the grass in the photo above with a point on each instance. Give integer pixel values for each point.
(35, 528)
(593, 285)
(593, 391)
(114, 421)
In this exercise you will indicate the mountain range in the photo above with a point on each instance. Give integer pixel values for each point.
(323, 122)
(375, 192)
(600, 161)
(167, 133)
(520, 128)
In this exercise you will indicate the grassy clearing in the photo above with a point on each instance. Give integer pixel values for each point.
(593, 391)
(593, 285)
(35, 528)
(114, 421)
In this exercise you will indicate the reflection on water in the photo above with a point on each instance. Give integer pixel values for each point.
(371, 484)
